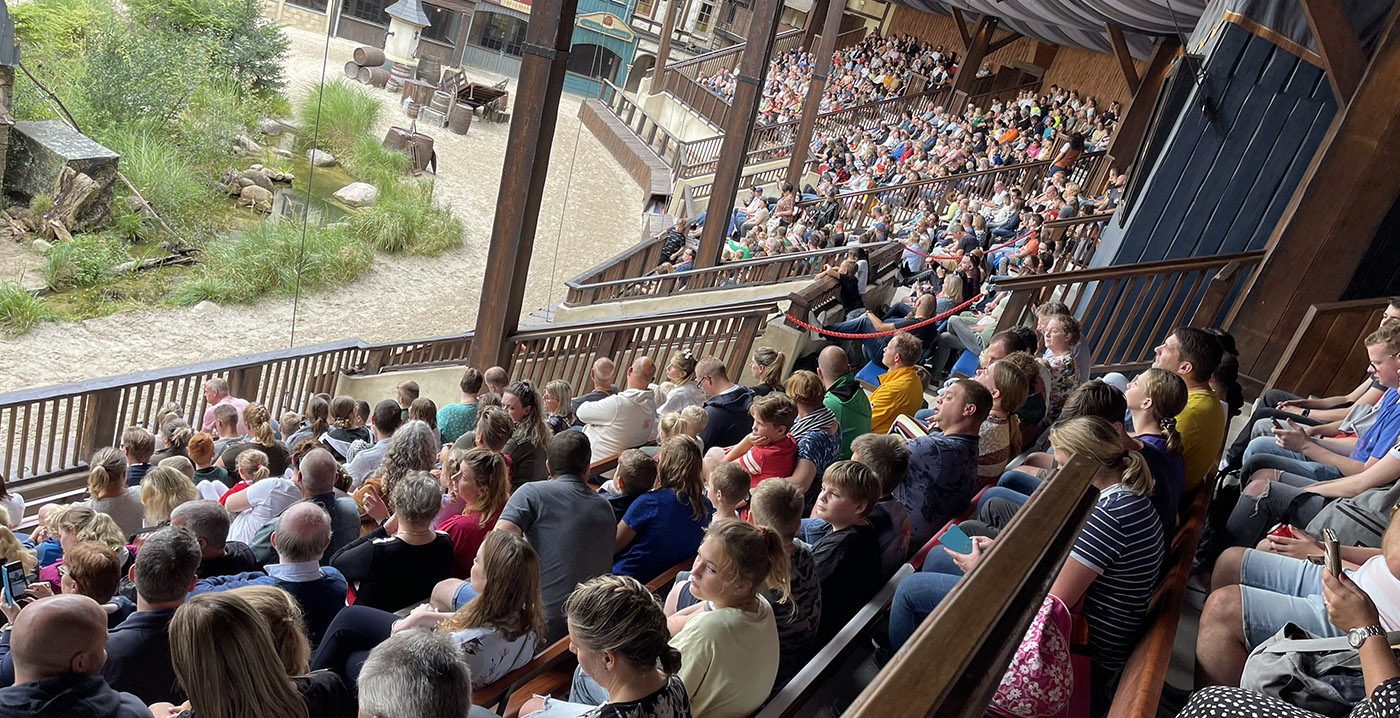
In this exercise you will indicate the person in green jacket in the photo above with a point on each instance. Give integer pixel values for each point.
(844, 396)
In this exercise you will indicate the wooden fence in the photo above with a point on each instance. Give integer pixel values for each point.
(682, 79)
(1327, 355)
(660, 140)
(1078, 237)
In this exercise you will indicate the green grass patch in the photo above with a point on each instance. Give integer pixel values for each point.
(19, 310)
(166, 176)
(370, 161)
(86, 261)
(347, 114)
(265, 260)
(405, 220)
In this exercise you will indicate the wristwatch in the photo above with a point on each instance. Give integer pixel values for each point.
(1358, 636)
(1306, 412)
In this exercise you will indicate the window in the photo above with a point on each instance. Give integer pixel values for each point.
(703, 18)
(444, 24)
(317, 5)
(496, 31)
(646, 7)
(368, 10)
(594, 61)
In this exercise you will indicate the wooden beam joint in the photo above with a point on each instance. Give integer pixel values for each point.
(1125, 58)
(963, 32)
(1338, 47)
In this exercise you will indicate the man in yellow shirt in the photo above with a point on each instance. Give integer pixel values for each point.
(1193, 354)
(900, 391)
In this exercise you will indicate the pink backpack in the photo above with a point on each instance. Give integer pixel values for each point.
(1045, 679)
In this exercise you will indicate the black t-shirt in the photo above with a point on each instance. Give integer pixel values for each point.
(967, 243)
(850, 292)
(237, 558)
(848, 564)
(277, 457)
(671, 242)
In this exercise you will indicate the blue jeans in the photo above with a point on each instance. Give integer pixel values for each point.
(812, 530)
(586, 690)
(1001, 492)
(918, 594)
(1019, 481)
(1265, 453)
(1276, 589)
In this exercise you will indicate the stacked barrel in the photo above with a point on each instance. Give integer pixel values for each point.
(367, 66)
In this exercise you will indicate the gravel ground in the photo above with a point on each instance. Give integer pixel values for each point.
(588, 195)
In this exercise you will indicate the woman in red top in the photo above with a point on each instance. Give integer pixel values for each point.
(1068, 156)
(479, 481)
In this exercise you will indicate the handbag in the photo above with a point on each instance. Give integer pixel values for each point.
(1045, 679)
(1322, 675)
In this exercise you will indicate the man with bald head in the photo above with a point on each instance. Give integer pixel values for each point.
(58, 645)
(844, 396)
(316, 475)
(625, 420)
(601, 375)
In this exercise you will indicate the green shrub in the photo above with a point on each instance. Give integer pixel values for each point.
(41, 203)
(347, 113)
(19, 310)
(86, 261)
(61, 25)
(265, 260)
(168, 179)
(370, 161)
(138, 76)
(405, 220)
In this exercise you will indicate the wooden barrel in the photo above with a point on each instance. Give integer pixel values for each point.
(440, 101)
(461, 120)
(398, 74)
(421, 92)
(371, 56)
(376, 76)
(429, 70)
(412, 108)
(420, 150)
(397, 138)
(352, 70)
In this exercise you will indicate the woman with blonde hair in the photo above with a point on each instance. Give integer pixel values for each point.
(80, 524)
(162, 489)
(260, 438)
(1113, 565)
(109, 492)
(767, 367)
(12, 550)
(257, 497)
(684, 388)
(498, 626)
(558, 405)
(227, 662)
(667, 523)
(284, 620)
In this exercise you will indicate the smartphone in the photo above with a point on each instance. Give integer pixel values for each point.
(15, 582)
(956, 540)
(1334, 552)
(1277, 424)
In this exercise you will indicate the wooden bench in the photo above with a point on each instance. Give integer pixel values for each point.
(551, 671)
(1140, 687)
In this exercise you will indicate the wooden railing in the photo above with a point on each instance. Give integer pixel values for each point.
(850, 38)
(746, 180)
(809, 303)
(1126, 310)
(728, 275)
(682, 78)
(1078, 237)
(728, 58)
(50, 432)
(695, 96)
(666, 145)
(635, 261)
(1327, 355)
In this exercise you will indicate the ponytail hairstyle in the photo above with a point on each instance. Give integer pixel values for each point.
(253, 463)
(487, 469)
(618, 614)
(108, 467)
(680, 466)
(684, 361)
(255, 417)
(342, 411)
(771, 361)
(534, 428)
(1097, 439)
(752, 554)
(176, 432)
(672, 424)
(1168, 393)
(510, 601)
(318, 414)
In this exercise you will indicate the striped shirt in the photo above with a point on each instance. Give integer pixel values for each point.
(1122, 542)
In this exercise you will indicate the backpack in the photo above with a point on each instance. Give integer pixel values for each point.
(1359, 520)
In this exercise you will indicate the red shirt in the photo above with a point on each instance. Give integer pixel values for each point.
(765, 462)
(467, 532)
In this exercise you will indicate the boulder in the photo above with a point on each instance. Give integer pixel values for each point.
(357, 194)
(245, 182)
(46, 157)
(255, 167)
(244, 143)
(280, 152)
(256, 197)
(269, 126)
(257, 177)
(41, 246)
(205, 307)
(319, 158)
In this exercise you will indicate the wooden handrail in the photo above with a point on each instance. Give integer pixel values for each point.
(954, 660)
(666, 145)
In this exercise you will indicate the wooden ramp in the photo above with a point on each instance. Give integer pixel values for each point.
(631, 151)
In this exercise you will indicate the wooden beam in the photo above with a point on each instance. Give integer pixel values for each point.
(963, 32)
(1125, 58)
(999, 44)
(831, 28)
(1331, 219)
(542, 69)
(976, 52)
(663, 53)
(1138, 110)
(1338, 46)
(815, 20)
(1044, 55)
(738, 127)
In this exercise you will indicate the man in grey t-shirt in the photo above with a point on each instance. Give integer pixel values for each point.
(571, 526)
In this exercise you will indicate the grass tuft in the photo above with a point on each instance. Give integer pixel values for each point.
(347, 113)
(406, 220)
(19, 310)
(264, 260)
(86, 261)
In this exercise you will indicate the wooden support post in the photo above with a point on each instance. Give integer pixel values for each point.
(1133, 124)
(1332, 217)
(1337, 45)
(1125, 58)
(542, 67)
(663, 53)
(738, 127)
(976, 52)
(1003, 42)
(831, 28)
(1044, 55)
(963, 33)
(815, 20)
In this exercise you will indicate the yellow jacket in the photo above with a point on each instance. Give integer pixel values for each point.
(900, 392)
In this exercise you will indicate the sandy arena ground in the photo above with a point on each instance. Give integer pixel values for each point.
(421, 297)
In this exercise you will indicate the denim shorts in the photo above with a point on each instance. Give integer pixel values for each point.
(1277, 589)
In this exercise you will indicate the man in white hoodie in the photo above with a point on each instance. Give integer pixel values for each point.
(625, 420)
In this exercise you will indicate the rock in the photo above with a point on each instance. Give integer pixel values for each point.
(245, 182)
(269, 126)
(357, 194)
(255, 167)
(41, 246)
(257, 177)
(256, 197)
(281, 152)
(319, 158)
(205, 307)
(244, 143)
(282, 177)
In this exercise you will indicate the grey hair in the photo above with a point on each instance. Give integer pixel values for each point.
(218, 384)
(416, 674)
(302, 532)
(166, 564)
(208, 520)
(417, 497)
(412, 448)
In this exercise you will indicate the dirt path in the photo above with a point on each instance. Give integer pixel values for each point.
(400, 297)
